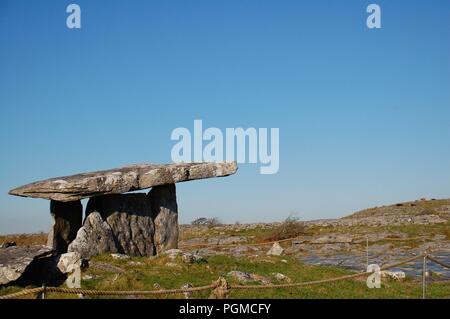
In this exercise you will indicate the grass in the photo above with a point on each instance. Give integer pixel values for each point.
(155, 271)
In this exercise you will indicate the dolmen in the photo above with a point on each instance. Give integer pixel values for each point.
(136, 224)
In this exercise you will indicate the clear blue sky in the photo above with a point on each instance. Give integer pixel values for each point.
(364, 115)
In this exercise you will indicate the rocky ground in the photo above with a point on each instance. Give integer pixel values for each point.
(321, 249)
(379, 235)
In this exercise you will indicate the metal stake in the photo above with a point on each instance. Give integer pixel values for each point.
(424, 277)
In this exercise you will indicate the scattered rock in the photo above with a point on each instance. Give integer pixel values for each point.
(245, 277)
(189, 258)
(240, 276)
(275, 250)
(70, 265)
(8, 244)
(281, 277)
(117, 256)
(89, 277)
(187, 294)
(394, 275)
(232, 240)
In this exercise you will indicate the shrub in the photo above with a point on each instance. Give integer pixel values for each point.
(290, 228)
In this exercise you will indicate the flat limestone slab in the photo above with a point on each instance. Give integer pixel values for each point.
(121, 180)
(15, 260)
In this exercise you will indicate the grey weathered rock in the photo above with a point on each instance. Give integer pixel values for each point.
(164, 206)
(240, 275)
(121, 180)
(8, 244)
(332, 239)
(67, 219)
(130, 218)
(93, 238)
(117, 256)
(16, 259)
(282, 277)
(394, 275)
(275, 250)
(70, 265)
(189, 258)
(245, 277)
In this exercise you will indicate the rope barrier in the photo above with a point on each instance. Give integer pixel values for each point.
(220, 285)
(324, 281)
(87, 292)
(440, 263)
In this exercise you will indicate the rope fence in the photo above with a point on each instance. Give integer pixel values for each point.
(220, 288)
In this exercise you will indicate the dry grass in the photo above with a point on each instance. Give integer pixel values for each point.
(25, 239)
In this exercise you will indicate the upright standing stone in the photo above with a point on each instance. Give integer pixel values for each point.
(94, 238)
(130, 218)
(67, 219)
(165, 211)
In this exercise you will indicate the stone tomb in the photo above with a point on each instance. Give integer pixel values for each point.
(135, 224)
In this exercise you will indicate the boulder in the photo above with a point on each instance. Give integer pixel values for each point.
(67, 219)
(70, 265)
(275, 250)
(93, 238)
(121, 180)
(15, 260)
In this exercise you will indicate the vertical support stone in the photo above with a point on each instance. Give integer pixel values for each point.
(163, 200)
(130, 218)
(67, 219)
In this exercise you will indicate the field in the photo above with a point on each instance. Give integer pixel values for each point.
(225, 249)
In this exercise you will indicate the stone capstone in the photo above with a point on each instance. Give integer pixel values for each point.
(121, 180)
